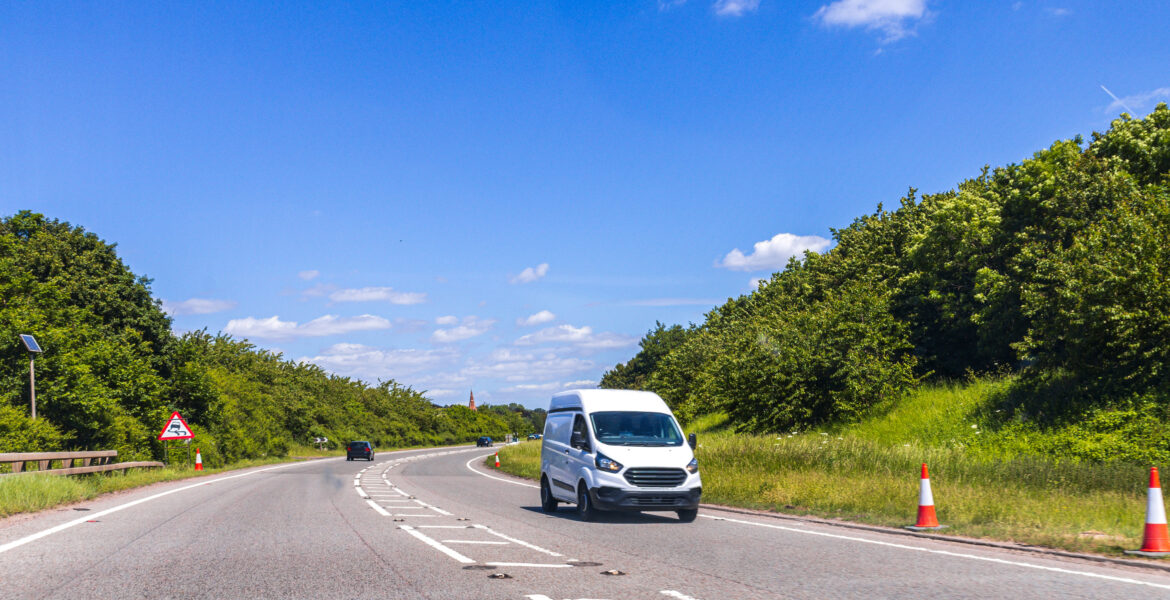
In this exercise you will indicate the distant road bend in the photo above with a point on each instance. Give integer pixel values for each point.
(434, 524)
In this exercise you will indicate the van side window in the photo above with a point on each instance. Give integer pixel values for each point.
(580, 431)
(557, 428)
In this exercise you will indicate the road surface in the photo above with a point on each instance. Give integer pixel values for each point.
(435, 524)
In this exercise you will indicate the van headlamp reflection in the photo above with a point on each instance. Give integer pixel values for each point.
(606, 463)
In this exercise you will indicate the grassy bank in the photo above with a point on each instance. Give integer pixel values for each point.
(868, 473)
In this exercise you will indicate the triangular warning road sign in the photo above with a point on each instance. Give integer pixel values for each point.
(176, 429)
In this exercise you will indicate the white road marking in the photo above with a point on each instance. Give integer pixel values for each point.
(674, 594)
(436, 544)
(443, 526)
(440, 511)
(538, 565)
(101, 513)
(947, 553)
(380, 510)
(497, 478)
(516, 541)
(485, 542)
(417, 516)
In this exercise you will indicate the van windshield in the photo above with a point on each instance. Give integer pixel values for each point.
(621, 428)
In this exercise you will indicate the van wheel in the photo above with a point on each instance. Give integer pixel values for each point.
(585, 508)
(547, 503)
(688, 515)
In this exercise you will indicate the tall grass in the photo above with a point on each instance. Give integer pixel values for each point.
(985, 482)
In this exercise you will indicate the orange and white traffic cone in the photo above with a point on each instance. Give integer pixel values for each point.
(497, 460)
(198, 460)
(926, 517)
(1156, 541)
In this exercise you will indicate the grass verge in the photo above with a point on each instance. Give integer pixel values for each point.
(33, 492)
(868, 473)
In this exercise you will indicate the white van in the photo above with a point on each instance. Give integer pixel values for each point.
(617, 450)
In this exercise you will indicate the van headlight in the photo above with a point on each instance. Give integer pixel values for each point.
(606, 463)
(693, 466)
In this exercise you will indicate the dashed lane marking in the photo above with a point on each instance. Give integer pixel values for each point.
(536, 565)
(436, 544)
(516, 541)
(483, 542)
(380, 510)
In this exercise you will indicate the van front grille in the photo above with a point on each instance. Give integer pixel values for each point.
(650, 477)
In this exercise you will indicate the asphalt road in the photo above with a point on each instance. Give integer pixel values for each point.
(435, 524)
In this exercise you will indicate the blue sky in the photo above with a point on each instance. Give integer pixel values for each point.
(503, 197)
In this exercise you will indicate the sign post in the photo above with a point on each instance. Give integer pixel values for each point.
(33, 348)
(176, 429)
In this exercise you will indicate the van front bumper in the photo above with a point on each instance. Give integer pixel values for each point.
(612, 498)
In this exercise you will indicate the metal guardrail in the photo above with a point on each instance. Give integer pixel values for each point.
(92, 461)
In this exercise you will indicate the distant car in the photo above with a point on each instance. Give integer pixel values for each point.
(534, 436)
(356, 450)
(484, 441)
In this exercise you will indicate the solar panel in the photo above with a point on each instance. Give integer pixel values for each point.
(30, 343)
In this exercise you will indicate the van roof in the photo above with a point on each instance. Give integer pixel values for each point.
(604, 400)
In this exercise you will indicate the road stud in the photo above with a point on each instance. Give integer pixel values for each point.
(927, 520)
(1156, 541)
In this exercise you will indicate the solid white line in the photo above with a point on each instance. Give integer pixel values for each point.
(380, 510)
(948, 553)
(440, 511)
(485, 542)
(101, 513)
(516, 541)
(436, 545)
(537, 597)
(361, 492)
(416, 516)
(497, 478)
(674, 594)
(442, 526)
(544, 565)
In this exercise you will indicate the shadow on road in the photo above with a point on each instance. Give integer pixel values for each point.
(615, 517)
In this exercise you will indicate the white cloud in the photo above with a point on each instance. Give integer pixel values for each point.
(773, 254)
(273, 328)
(377, 294)
(539, 318)
(1058, 12)
(580, 383)
(755, 282)
(894, 18)
(447, 320)
(532, 387)
(582, 337)
(735, 8)
(368, 362)
(321, 289)
(471, 327)
(309, 275)
(198, 306)
(1137, 102)
(522, 367)
(531, 274)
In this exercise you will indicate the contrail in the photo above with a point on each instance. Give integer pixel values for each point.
(1118, 100)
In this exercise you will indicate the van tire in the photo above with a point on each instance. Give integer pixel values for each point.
(585, 508)
(547, 503)
(688, 515)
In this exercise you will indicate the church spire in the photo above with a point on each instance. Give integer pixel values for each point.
(471, 404)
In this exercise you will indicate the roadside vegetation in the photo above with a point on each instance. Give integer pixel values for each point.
(1011, 332)
(112, 371)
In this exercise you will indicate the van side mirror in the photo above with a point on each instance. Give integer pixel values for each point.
(691, 441)
(579, 442)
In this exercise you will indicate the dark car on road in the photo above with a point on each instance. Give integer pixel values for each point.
(356, 450)
(484, 441)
